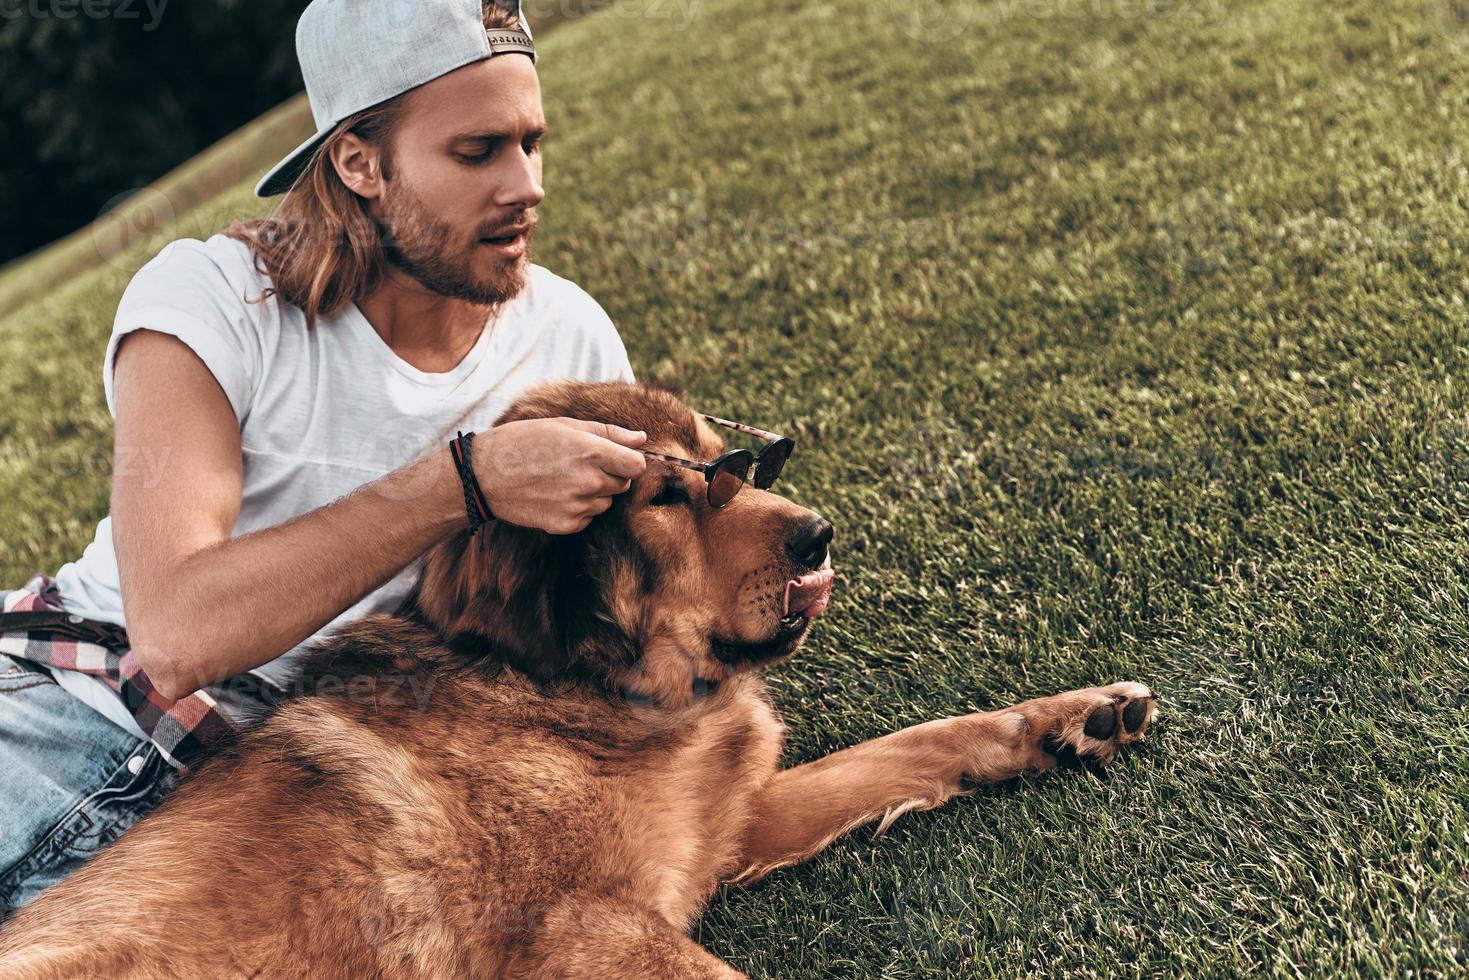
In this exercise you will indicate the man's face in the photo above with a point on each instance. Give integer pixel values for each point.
(466, 169)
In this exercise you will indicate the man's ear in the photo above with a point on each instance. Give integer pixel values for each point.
(358, 164)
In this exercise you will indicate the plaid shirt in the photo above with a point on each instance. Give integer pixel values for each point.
(34, 626)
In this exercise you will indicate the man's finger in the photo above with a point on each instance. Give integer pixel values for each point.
(621, 462)
(608, 486)
(614, 485)
(616, 433)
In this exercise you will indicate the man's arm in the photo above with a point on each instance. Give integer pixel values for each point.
(201, 607)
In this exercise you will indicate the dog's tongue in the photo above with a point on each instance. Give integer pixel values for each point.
(810, 593)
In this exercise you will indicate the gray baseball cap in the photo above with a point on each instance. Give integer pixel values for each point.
(355, 54)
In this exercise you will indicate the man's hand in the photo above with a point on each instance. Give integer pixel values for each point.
(556, 474)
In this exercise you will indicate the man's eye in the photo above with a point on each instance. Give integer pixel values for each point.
(533, 147)
(469, 159)
(672, 493)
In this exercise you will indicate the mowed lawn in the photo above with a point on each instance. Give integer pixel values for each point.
(1122, 339)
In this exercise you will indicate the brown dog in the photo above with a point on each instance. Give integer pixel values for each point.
(594, 753)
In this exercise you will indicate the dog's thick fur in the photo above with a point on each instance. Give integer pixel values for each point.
(543, 767)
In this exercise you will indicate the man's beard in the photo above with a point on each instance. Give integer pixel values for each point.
(415, 242)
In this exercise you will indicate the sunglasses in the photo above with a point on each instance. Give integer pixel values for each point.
(731, 471)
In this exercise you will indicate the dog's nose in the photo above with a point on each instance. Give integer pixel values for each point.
(809, 542)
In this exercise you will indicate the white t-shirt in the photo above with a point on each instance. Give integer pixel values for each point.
(326, 411)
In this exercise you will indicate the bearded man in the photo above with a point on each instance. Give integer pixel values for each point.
(286, 407)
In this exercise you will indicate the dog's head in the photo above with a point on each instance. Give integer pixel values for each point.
(662, 595)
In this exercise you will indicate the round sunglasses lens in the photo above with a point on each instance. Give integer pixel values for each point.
(728, 479)
(771, 460)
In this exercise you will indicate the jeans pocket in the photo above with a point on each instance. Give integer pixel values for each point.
(140, 785)
(137, 785)
(21, 675)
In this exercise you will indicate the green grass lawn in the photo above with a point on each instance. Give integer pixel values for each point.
(1118, 345)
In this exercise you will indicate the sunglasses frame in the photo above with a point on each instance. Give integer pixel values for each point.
(714, 467)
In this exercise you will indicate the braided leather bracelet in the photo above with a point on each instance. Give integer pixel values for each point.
(475, 503)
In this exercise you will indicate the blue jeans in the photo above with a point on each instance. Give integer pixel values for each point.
(71, 781)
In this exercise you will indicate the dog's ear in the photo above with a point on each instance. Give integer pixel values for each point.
(667, 385)
(497, 593)
(519, 595)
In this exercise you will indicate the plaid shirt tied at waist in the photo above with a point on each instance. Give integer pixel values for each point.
(34, 626)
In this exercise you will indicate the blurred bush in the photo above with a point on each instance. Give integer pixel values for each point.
(102, 97)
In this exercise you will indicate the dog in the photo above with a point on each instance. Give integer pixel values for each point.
(595, 754)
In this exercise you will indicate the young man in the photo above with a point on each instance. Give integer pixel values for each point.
(284, 406)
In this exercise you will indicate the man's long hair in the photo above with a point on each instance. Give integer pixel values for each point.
(321, 248)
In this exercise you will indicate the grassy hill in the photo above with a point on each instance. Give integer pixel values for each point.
(1118, 345)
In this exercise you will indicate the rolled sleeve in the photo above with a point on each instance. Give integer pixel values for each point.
(183, 292)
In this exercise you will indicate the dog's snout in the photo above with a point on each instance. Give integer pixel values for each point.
(808, 545)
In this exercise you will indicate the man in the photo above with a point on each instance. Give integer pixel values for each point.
(292, 385)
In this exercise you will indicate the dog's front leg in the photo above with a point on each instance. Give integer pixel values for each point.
(802, 810)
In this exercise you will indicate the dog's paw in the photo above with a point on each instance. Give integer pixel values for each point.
(1090, 724)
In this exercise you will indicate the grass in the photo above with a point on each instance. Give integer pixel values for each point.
(1117, 346)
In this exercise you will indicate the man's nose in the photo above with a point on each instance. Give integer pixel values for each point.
(808, 543)
(523, 185)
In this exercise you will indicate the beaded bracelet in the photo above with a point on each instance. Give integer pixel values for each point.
(474, 498)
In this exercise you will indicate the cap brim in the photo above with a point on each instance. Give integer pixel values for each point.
(279, 178)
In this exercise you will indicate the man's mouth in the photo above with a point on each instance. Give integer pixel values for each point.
(807, 596)
(509, 244)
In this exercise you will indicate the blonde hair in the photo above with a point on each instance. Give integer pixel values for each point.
(320, 247)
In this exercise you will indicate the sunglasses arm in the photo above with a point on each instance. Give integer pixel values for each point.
(687, 464)
(742, 427)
